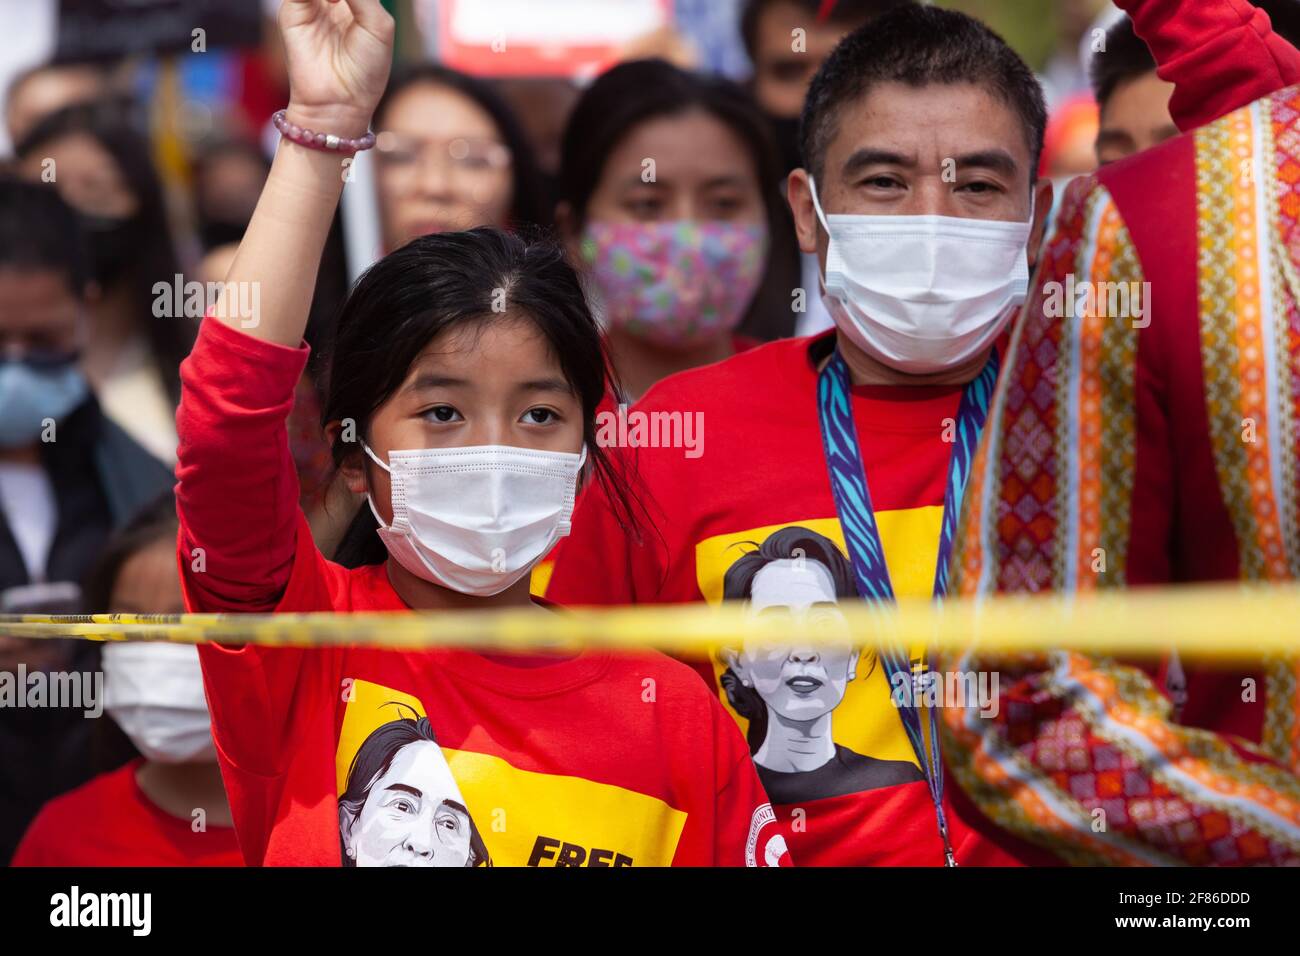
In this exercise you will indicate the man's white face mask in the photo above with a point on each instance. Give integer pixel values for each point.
(922, 294)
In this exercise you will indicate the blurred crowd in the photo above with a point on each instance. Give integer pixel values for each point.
(128, 188)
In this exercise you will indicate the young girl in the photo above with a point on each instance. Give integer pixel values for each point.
(461, 401)
(669, 197)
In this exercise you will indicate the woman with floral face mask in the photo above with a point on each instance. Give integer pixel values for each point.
(465, 377)
(669, 195)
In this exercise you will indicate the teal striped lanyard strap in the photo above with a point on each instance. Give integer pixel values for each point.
(861, 534)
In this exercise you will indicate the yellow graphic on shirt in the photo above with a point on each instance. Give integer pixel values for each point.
(406, 800)
(538, 819)
(540, 578)
(797, 703)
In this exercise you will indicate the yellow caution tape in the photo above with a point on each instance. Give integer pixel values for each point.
(1221, 622)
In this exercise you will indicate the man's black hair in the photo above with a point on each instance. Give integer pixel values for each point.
(1125, 56)
(39, 231)
(851, 13)
(918, 46)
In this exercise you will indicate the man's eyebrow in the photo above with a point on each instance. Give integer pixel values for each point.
(868, 156)
(998, 160)
(406, 789)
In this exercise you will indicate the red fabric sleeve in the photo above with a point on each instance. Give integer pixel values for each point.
(237, 490)
(1219, 54)
(598, 563)
(237, 500)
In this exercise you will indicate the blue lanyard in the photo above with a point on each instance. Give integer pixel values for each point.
(867, 554)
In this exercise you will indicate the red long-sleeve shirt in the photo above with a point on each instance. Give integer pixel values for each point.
(1219, 54)
(595, 760)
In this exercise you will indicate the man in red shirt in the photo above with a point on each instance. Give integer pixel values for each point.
(923, 124)
(755, 518)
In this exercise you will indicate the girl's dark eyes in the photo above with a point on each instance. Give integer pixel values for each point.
(442, 413)
(539, 416)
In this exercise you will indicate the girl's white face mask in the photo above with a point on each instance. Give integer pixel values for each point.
(476, 519)
(922, 294)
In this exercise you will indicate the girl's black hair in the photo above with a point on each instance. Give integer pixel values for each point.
(440, 282)
(529, 203)
(154, 259)
(154, 522)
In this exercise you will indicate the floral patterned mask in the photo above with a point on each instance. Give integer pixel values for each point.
(676, 284)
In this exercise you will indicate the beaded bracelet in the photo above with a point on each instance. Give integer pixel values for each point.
(313, 140)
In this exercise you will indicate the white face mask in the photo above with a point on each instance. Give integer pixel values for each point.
(155, 693)
(923, 293)
(477, 519)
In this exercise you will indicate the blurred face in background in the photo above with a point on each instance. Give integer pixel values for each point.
(703, 172)
(226, 190)
(42, 332)
(1135, 117)
(676, 249)
(442, 165)
(92, 183)
(40, 315)
(48, 89)
(88, 178)
(782, 75)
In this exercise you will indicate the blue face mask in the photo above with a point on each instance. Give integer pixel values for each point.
(29, 395)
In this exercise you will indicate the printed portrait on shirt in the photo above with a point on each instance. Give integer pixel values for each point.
(402, 805)
(789, 693)
(478, 808)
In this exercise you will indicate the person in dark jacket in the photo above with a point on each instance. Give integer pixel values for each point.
(68, 478)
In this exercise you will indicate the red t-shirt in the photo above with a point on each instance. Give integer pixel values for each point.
(829, 744)
(110, 821)
(597, 760)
